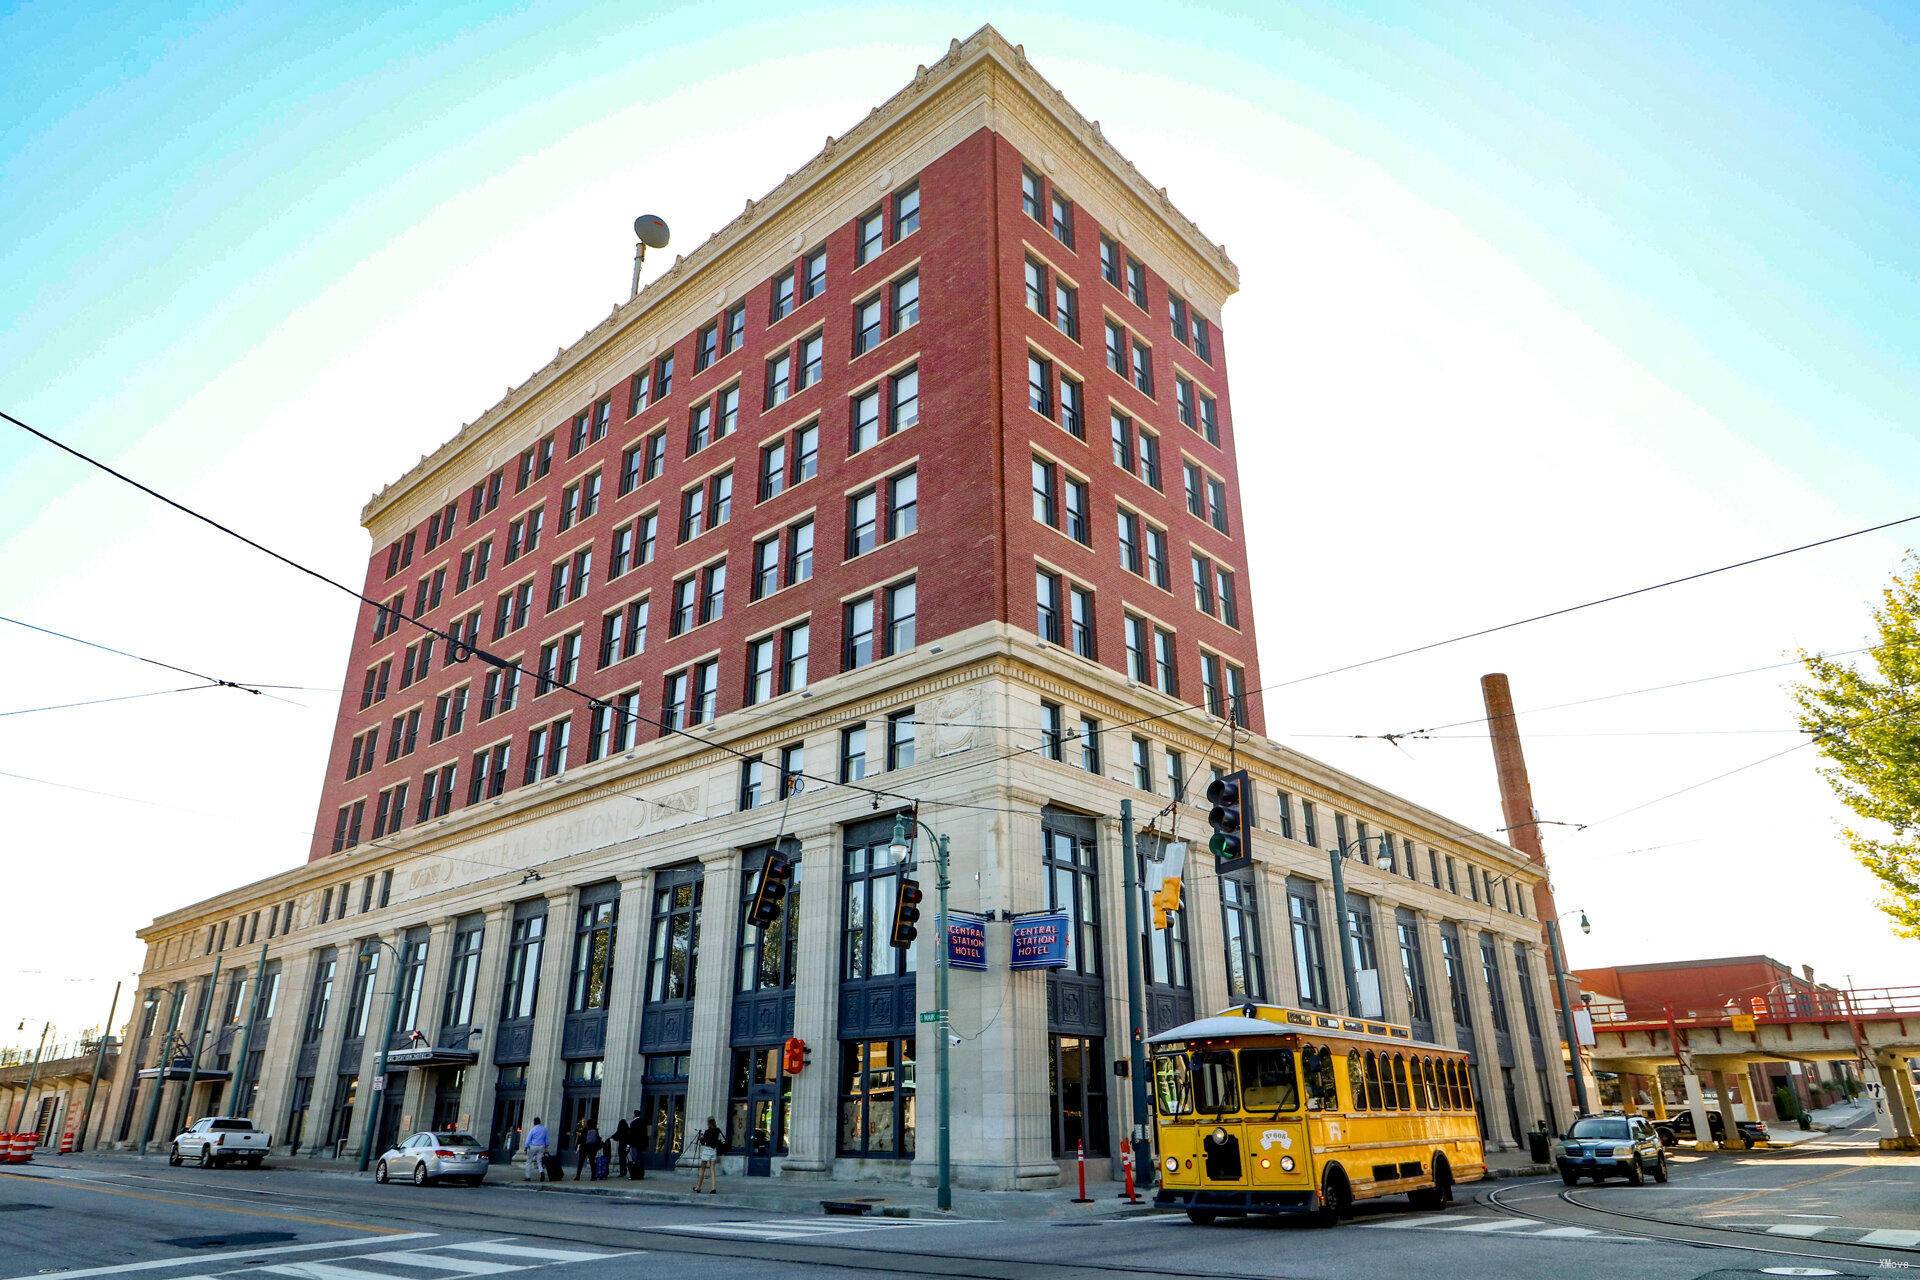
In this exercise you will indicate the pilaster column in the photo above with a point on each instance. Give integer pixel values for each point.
(476, 1098)
(1487, 1055)
(1551, 1041)
(281, 1050)
(1440, 988)
(713, 988)
(326, 1066)
(416, 1112)
(1697, 1108)
(620, 1087)
(1206, 937)
(816, 989)
(544, 1072)
(377, 999)
(1533, 1106)
(1276, 936)
(1394, 1006)
(1013, 1053)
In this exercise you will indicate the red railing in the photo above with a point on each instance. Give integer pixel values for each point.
(1774, 1005)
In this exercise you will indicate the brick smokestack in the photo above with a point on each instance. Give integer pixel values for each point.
(1516, 791)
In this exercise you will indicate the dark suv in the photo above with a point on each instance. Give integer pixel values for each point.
(1678, 1128)
(1598, 1147)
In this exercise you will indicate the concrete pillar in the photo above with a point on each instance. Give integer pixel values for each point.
(1722, 1083)
(816, 992)
(1439, 992)
(1897, 1076)
(713, 989)
(1533, 1107)
(1276, 936)
(1016, 1141)
(544, 1071)
(620, 1087)
(1886, 1108)
(1487, 1056)
(1697, 1108)
(1659, 1097)
(416, 1112)
(378, 999)
(282, 1047)
(476, 1099)
(1550, 1037)
(1206, 939)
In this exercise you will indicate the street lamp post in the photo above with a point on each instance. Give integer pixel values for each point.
(1336, 856)
(377, 1091)
(160, 1069)
(99, 1061)
(199, 1032)
(33, 1074)
(1144, 1170)
(1566, 1007)
(901, 847)
(246, 1041)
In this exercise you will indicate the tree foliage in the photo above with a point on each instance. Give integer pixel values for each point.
(1865, 719)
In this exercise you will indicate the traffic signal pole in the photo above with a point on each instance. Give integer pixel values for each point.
(1136, 1001)
(1342, 932)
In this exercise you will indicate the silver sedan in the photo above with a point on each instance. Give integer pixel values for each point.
(430, 1157)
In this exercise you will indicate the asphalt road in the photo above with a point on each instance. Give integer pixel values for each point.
(1726, 1216)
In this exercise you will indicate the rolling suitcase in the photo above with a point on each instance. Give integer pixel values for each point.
(600, 1166)
(556, 1170)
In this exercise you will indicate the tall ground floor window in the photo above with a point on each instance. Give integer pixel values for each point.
(297, 1111)
(508, 1134)
(1077, 1082)
(877, 1098)
(759, 1103)
(449, 1084)
(345, 1090)
(663, 1109)
(580, 1101)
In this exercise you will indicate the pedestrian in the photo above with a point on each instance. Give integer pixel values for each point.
(634, 1154)
(586, 1139)
(712, 1143)
(617, 1143)
(536, 1170)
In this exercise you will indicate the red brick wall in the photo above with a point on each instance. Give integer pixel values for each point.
(976, 543)
(1705, 985)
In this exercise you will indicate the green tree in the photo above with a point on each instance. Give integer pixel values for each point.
(1865, 719)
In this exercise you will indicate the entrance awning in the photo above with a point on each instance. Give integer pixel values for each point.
(430, 1056)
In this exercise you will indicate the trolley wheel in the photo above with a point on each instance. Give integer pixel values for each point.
(1201, 1217)
(1336, 1198)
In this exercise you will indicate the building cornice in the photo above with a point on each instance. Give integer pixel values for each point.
(983, 81)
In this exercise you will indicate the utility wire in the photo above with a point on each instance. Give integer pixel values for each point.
(107, 648)
(95, 702)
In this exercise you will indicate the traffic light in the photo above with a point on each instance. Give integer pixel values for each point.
(1228, 795)
(906, 913)
(793, 1056)
(1166, 902)
(1162, 869)
(776, 874)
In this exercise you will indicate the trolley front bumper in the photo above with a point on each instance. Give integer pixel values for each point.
(1229, 1200)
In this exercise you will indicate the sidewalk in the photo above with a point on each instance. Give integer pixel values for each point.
(1842, 1115)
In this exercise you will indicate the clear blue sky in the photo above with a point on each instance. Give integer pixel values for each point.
(1634, 285)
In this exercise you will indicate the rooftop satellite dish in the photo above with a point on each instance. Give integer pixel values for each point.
(650, 232)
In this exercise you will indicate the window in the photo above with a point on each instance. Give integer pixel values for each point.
(1078, 526)
(858, 630)
(782, 305)
(1066, 308)
(559, 663)
(900, 740)
(813, 349)
(1043, 480)
(1165, 961)
(1122, 428)
(685, 605)
(760, 667)
(1131, 557)
(1240, 929)
(501, 693)
(796, 641)
(1211, 684)
(589, 986)
(1142, 763)
(1142, 366)
(1224, 594)
(405, 733)
(674, 952)
(1202, 584)
(569, 579)
(1047, 620)
(877, 1099)
(1061, 223)
(869, 238)
(902, 602)
(868, 325)
(1209, 419)
(1052, 730)
(1109, 261)
(865, 431)
(906, 213)
(1217, 502)
(623, 632)
(1080, 621)
(1030, 195)
(800, 551)
(430, 590)
(521, 987)
(436, 792)
(547, 750)
(1090, 744)
(734, 328)
(773, 469)
(1157, 558)
(1165, 671)
(853, 753)
(1309, 959)
(815, 267)
(1496, 990)
(713, 592)
(1413, 969)
(449, 713)
(766, 566)
(1135, 633)
(1040, 385)
(903, 403)
(489, 772)
(1137, 282)
(346, 826)
(906, 301)
(1117, 347)
(1149, 469)
(779, 379)
(1203, 339)
(863, 522)
(1036, 286)
(707, 505)
(1177, 317)
(616, 725)
(474, 563)
(523, 535)
(1073, 415)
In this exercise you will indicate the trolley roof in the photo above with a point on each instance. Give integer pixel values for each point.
(1269, 1020)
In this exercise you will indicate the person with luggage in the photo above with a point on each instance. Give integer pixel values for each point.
(586, 1145)
(633, 1155)
(617, 1144)
(536, 1170)
(712, 1145)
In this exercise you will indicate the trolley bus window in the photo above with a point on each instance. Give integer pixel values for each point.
(1323, 1092)
(1215, 1087)
(1267, 1080)
(1401, 1092)
(1172, 1086)
(1356, 1080)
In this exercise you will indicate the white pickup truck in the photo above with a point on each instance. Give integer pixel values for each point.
(219, 1140)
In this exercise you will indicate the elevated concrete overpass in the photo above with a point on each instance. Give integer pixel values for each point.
(1878, 1026)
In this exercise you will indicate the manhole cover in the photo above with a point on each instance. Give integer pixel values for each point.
(240, 1239)
(1797, 1271)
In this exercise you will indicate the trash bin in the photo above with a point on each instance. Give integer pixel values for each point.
(1540, 1146)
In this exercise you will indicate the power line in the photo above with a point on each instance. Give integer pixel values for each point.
(152, 662)
(95, 702)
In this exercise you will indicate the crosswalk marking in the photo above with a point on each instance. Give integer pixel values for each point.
(1799, 1229)
(803, 1228)
(1566, 1233)
(528, 1252)
(439, 1262)
(1508, 1228)
(201, 1259)
(318, 1271)
(1490, 1224)
(1893, 1236)
(1419, 1220)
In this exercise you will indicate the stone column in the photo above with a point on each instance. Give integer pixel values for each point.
(1550, 1041)
(1697, 1108)
(1897, 1075)
(544, 1070)
(1533, 1107)
(1276, 936)
(1494, 1101)
(713, 989)
(476, 1098)
(620, 1088)
(1394, 1005)
(416, 1113)
(1722, 1086)
(1439, 990)
(282, 1048)
(326, 1066)
(1333, 937)
(1016, 1120)
(816, 998)
(1206, 936)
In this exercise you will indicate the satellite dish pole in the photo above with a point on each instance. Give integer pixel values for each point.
(649, 231)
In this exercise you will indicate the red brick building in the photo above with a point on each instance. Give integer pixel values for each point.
(972, 364)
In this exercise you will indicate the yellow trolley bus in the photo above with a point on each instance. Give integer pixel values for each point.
(1270, 1110)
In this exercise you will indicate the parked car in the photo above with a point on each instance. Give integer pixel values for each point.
(1599, 1147)
(219, 1140)
(430, 1157)
(1678, 1128)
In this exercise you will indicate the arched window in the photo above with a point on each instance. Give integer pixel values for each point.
(1433, 1093)
(1374, 1100)
(1400, 1082)
(1357, 1082)
(1449, 1085)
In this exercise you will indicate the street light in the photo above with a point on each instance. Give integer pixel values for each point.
(1566, 1008)
(160, 1069)
(1339, 854)
(900, 848)
(377, 1093)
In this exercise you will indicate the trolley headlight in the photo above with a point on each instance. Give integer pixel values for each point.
(1286, 1164)
(1220, 1135)
(1265, 1163)
(1173, 1164)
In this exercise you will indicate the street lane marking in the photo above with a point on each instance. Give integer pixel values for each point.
(505, 1250)
(1514, 1228)
(1488, 1224)
(1800, 1230)
(200, 1259)
(1421, 1221)
(438, 1262)
(1893, 1236)
(70, 1185)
